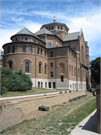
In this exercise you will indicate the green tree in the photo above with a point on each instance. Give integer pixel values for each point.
(95, 71)
(3, 82)
(17, 81)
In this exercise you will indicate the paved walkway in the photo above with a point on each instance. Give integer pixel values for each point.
(87, 127)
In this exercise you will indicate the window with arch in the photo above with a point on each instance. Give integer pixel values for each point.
(49, 45)
(45, 69)
(39, 68)
(82, 54)
(10, 64)
(27, 67)
(61, 27)
(52, 27)
(58, 27)
(74, 49)
(8, 49)
(24, 49)
(16, 39)
(30, 49)
(51, 54)
(13, 49)
(49, 28)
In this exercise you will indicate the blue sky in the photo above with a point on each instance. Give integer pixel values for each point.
(76, 14)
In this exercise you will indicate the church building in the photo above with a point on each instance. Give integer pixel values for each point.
(52, 57)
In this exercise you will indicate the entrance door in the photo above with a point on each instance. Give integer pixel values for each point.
(53, 85)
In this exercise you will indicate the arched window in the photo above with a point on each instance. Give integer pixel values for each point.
(39, 68)
(49, 28)
(58, 27)
(61, 68)
(37, 50)
(82, 54)
(61, 27)
(10, 64)
(74, 49)
(52, 28)
(8, 49)
(30, 49)
(27, 67)
(45, 69)
(13, 49)
(24, 49)
(49, 45)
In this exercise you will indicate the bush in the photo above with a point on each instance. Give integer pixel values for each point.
(77, 90)
(3, 82)
(70, 91)
(17, 81)
(43, 108)
(60, 92)
(65, 91)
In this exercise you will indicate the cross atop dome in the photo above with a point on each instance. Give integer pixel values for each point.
(54, 19)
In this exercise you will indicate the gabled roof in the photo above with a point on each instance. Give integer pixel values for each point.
(72, 36)
(44, 31)
(25, 31)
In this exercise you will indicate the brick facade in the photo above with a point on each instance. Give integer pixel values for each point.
(68, 56)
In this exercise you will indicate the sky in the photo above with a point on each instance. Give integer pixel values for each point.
(32, 14)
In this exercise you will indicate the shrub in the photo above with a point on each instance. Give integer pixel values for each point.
(65, 91)
(77, 90)
(17, 81)
(43, 108)
(3, 82)
(70, 91)
(60, 92)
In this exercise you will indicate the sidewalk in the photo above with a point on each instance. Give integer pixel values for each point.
(87, 127)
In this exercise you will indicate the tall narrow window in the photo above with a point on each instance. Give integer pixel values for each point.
(37, 50)
(45, 69)
(51, 65)
(49, 28)
(24, 49)
(39, 68)
(58, 27)
(49, 45)
(45, 53)
(61, 27)
(27, 67)
(52, 28)
(62, 79)
(30, 49)
(8, 49)
(41, 51)
(51, 54)
(51, 74)
(13, 49)
(16, 39)
(10, 64)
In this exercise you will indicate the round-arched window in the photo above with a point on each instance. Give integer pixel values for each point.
(49, 45)
(24, 48)
(27, 67)
(74, 49)
(10, 64)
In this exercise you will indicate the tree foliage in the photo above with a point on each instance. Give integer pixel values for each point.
(95, 71)
(3, 82)
(17, 81)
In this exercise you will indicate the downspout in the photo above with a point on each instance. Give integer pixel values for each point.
(35, 65)
(56, 66)
(76, 71)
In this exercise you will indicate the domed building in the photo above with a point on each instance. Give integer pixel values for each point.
(52, 57)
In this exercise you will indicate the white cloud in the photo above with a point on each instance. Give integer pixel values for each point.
(5, 34)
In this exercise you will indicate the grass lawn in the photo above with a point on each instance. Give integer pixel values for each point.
(30, 92)
(61, 121)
